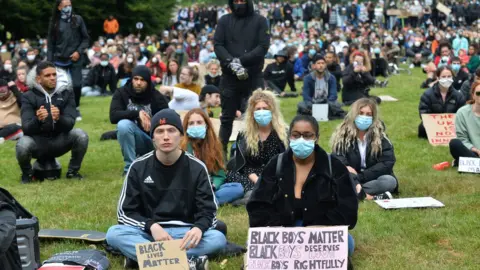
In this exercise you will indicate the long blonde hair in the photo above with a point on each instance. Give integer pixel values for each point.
(345, 136)
(251, 127)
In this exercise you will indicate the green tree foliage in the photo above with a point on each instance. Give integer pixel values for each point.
(29, 18)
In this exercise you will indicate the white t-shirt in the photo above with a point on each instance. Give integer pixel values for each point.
(184, 99)
(362, 147)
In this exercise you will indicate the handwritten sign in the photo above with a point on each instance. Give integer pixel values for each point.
(320, 112)
(421, 202)
(444, 9)
(469, 165)
(387, 98)
(161, 256)
(440, 128)
(297, 248)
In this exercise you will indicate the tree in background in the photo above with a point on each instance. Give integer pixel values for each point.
(30, 18)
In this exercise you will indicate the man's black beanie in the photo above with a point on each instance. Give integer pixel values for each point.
(166, 117)
(143, 72)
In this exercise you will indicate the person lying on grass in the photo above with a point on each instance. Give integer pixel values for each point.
(304, 186)
(361, 144)
(264, 137)
(202, 142)
(467, 127)
(167, 195)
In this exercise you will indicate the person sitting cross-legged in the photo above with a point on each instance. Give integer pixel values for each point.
(167, 195)
(363, 147)
(48, 116)
(99, 77)
(131, 110)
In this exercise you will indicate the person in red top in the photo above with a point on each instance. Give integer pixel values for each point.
(444, 58)
(21, 79)
(110, 27)
(157, 68)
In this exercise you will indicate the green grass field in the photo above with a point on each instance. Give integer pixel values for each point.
(447, 238)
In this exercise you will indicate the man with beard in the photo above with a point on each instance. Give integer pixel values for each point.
(242, 40)
(131, 110)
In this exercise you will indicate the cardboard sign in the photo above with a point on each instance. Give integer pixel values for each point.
(440, 128)
(394, 12)
(297, 248)
(320, 112)
(161, 255)
(469, 165)
(387, 98)
(444, 9)
(422, 202)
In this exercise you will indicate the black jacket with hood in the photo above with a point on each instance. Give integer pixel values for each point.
(187, 199)
(102, 76)
(62, 98)
(432, 102)
(9, 256)
(66, 38)
(126, 103)
(246, 37)
(327, 198)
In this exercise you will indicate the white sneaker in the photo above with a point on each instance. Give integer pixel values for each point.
(411, 66)
(78, 119)
(2, 140)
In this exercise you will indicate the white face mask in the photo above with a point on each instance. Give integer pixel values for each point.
(31, 57)
(446, 82)
(7, 67)
(129, 59)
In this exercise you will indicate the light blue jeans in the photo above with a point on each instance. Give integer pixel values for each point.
(124, 238)
(123, 81)
(91, 91)
(133, 141)
(229, 192)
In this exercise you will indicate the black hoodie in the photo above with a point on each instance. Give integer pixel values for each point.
(246, 37)
(126, 102)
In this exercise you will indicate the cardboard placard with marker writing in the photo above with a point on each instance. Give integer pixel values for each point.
(440, 128)
(161, 256)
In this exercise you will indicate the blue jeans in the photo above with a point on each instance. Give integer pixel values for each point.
(229, 192)
(133, 141)
(91, 91)
(351, 241)
(123, 81)
(124, 238)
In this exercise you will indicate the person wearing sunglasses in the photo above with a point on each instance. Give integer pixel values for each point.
(304, 186)
(467, 127)
(361, 144)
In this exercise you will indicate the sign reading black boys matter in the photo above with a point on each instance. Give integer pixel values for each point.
(161, 256)
(297, 248)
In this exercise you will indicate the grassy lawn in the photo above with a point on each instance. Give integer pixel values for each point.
(447, 238)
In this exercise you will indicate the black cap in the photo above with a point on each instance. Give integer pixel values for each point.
(281, 53)
(166, 117)
(143, 72)
(3, 82)
(209, 89)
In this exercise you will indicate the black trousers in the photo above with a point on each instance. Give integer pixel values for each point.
(422, 133)
(274, 87)
(9, 130)
(234, 96)
(457, 149)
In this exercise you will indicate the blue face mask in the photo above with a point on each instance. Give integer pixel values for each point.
(312, 52)
(66, 12)
(363, 122)
(263, 117)
(104, 63)
(197, 132)
(302, 148)
(179, 51)
(456, 67)
(376, 50)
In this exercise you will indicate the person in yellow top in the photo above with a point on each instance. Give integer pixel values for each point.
(110, 27)
(188, 79)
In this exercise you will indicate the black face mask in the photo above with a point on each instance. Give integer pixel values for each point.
(240, 9)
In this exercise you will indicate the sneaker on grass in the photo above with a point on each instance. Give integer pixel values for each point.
(198, 263)
(383, 196)
(130, 264)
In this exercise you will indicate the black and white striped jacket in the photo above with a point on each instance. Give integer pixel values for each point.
(186, 200)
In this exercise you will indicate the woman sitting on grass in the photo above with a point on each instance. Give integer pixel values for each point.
(264, 137)
(304, 186)
(440, 98)
(188, 79)
(361, 144)
(172, 77)
(467, 127)
(202, 142)
(125, 69)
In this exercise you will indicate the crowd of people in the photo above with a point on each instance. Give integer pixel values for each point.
(177, 171)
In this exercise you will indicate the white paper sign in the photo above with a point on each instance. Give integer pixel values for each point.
(320, 112)
(421, 202)
(387, 98)
(297, 248)
(469, 165)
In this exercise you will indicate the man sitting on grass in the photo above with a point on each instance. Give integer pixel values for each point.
(131, 110)
(48, 116)
(167, 195)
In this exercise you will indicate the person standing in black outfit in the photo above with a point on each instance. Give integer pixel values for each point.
(67, 40)
(242, 39)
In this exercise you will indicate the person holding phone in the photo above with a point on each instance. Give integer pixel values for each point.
(357, 79)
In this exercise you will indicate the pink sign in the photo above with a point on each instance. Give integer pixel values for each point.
(440, 128)
(297, 248)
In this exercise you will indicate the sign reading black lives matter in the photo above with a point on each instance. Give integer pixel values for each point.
(161, 256)
(297, 248)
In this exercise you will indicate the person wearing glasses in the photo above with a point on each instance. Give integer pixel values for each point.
(467, 127)
(304, 186)
(363, 147)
